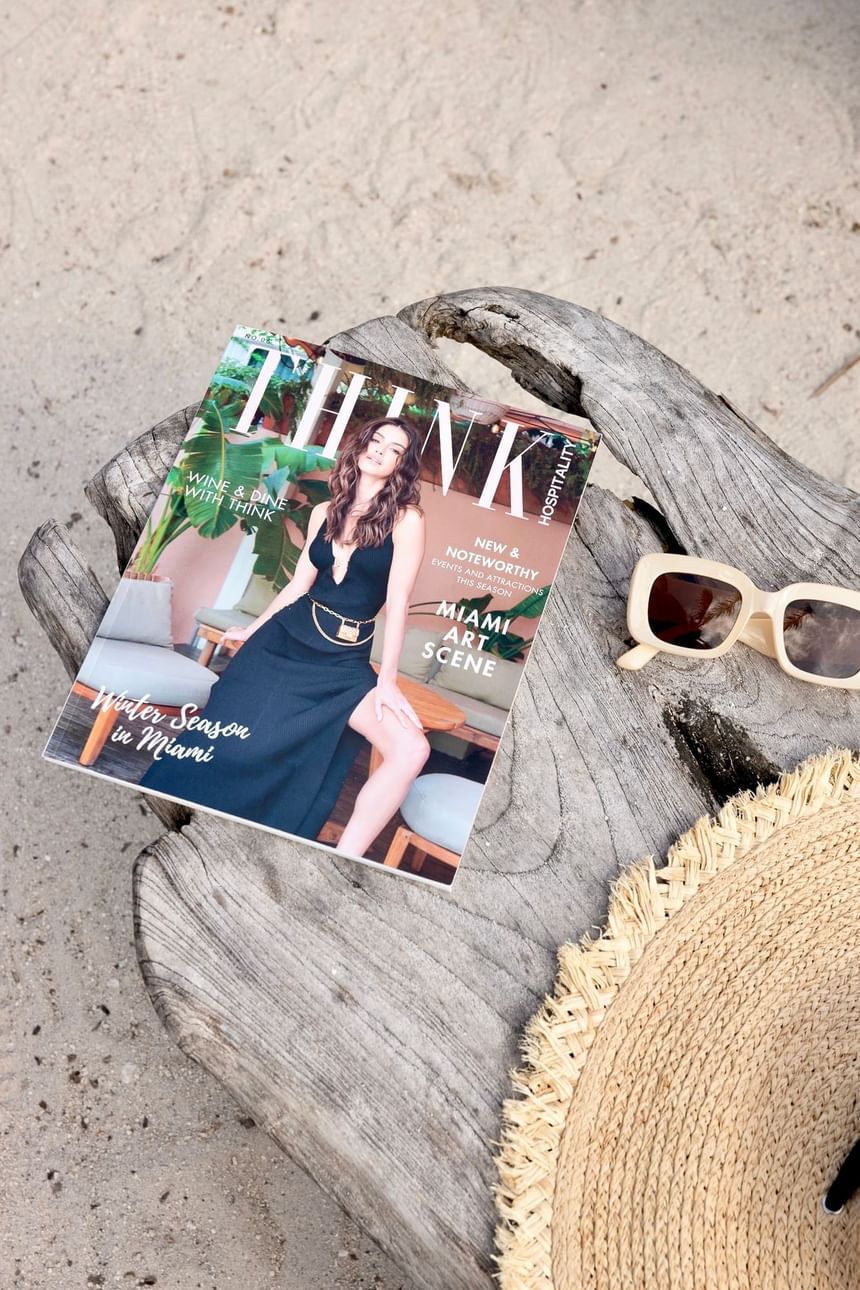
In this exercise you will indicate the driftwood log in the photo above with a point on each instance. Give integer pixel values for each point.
(367, 1023)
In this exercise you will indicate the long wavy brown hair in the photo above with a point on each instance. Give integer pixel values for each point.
(401, 489)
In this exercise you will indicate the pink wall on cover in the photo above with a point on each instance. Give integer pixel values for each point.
(197, 567)
(455, 521)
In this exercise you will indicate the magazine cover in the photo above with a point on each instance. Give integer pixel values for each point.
(323, 625)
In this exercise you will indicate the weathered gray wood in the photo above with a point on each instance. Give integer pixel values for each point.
(369, 1023)
(62, 592)
(387, 341)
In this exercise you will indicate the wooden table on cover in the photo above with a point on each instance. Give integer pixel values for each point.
(212, 636)
(297, 983)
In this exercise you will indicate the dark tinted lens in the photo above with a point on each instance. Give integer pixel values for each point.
(823, 638)
(691, 610)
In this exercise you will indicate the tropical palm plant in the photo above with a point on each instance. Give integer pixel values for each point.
(210, 487)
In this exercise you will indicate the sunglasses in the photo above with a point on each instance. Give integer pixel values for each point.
(683, 605)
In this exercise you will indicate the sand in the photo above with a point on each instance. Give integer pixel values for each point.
(689, 169)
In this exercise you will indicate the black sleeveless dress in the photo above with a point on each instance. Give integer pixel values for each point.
(294, 687)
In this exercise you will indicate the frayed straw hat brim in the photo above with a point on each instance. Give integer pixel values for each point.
(688, 1095)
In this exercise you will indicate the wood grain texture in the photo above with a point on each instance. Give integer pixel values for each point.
(62, 592)
(368, 1023)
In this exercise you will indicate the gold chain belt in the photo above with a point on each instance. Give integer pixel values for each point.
(347, 632)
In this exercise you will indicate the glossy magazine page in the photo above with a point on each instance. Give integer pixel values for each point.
(323, 625)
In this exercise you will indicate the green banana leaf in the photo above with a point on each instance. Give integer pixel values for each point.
(276, 553)
(315, 490)
(532, 607)
(507, 645)
(236, 378)
(210, 455)
(300, 514)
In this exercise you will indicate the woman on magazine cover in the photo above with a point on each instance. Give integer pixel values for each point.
(302, 681)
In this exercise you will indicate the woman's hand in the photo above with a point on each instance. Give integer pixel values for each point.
(387, 695)
(237, 635)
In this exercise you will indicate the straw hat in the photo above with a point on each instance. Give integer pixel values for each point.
(693, 1086)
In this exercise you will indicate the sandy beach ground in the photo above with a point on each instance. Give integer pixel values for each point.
(166, 171)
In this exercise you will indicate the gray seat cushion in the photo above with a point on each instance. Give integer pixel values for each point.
(413, 662)
(498, 688)
(138, 670)
(480, 715)
(256, 597)
(223, 618)
(441, 808)
(139, 611)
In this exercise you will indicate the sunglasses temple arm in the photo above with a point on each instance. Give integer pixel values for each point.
(636, 658)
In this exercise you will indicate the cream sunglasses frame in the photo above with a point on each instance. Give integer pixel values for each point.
(759, 623)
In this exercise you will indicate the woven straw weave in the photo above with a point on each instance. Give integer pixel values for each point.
(716, 1097)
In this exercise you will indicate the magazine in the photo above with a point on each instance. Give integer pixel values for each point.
(323, 625)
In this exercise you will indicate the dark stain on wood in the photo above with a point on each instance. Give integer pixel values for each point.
(659, 523)
(718, 754)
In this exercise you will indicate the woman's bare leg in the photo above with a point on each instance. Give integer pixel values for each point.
(404, 750)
